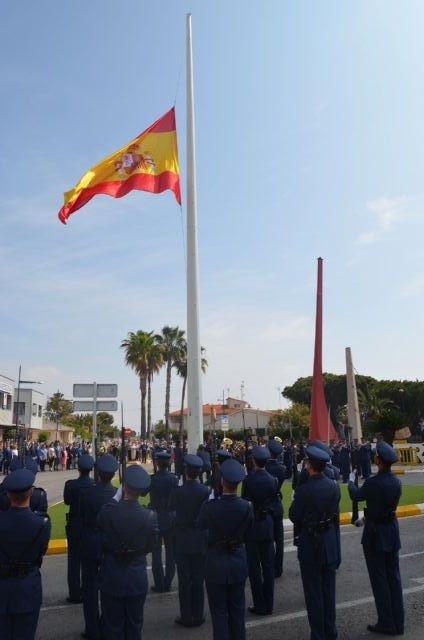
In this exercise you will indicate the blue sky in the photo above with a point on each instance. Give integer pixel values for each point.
(309, 134)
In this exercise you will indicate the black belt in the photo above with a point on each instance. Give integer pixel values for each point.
(16, 569)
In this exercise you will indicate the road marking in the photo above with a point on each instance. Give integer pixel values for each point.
(411, 555)
(341, 605)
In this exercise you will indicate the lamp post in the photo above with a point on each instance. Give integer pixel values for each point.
(18, 397)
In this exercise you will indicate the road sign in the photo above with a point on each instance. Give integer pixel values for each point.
(103, 391)
(225, 423)
(101, 405)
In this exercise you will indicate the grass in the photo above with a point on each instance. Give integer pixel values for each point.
(411, 494)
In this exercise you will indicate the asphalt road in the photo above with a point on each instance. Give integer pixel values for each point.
(354, 599)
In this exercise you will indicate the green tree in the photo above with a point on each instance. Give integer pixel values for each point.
(181, 367)
(292, 422)
(43, 436)
(80, 423)
(138, 347)
(58, 407)
(172, 341)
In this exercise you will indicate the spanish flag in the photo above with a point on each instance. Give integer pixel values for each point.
(148, 163)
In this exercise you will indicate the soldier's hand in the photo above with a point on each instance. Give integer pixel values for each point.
(118, 495)
(352, 476)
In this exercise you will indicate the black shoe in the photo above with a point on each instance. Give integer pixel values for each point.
(260, 612)
(73, 600)
(197, 623)
(183, 623)
(377, 628)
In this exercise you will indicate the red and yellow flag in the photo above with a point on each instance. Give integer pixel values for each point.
(148, 163)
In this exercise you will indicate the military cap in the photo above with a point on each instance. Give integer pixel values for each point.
(224, 454)
(275, 447)
(19, 480)
(85, 462)
(321, 445)
(260, 453)
(232, 471)
(193, 461)
(31, 465)
(386, 452)
(315, 453)
(163, 455)
(15, 464)
(107, 464)
(136, 478)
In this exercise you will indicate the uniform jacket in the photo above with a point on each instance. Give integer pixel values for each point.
(186, 502)
(317, 500)
(24, 537)
(162, 483)
(382, 493)
(226, 519)
(261, 489)
(91, 501)
(71, 497)
(278, 470)
(125, 524)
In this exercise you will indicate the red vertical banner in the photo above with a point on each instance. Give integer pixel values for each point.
(321, 427)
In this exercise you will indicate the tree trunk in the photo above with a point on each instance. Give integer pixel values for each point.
(181, 434)
(143, 391)
(167, 393)
(149, 405)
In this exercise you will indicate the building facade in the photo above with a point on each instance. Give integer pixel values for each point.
(30, 410)
(6, 403)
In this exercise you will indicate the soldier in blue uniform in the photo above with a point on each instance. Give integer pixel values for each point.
(162, 483)
(315, 511)
(92, 500)
(24, 537)
(227, 521)
(190, 542)
(278, 470)
(381, 540)
(260, 488)
(129, 531)
(221, 456)
(38, 501)
(71, 496)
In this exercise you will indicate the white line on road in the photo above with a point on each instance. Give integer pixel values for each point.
(59, 607)
(411, 555)
(302, 614)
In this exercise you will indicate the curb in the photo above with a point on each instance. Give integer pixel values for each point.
(60, 546)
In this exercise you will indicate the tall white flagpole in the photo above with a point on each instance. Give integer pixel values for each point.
(353, 415)
(194, 372)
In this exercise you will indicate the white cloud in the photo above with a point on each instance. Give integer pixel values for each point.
(386, 214)
(413, 287)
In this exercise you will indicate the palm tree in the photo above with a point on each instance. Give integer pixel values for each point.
(172, 341)
(181, 367)
(138, 347)
(154, 364)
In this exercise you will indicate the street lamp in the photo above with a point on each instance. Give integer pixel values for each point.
(17, 399)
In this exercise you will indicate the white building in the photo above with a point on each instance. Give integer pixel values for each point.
(6, 403)
(30, 410)
(235, 415)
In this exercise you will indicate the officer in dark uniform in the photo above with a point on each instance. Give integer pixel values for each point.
(221, 456)
(24, 537)
(71, 496)
(92, 500)
(381, 540)
(162, 483)
(315, 510)
(278, 470)
(260, 487)
(129, 531)
(227, 521)
(190, 542)
(38, 501)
